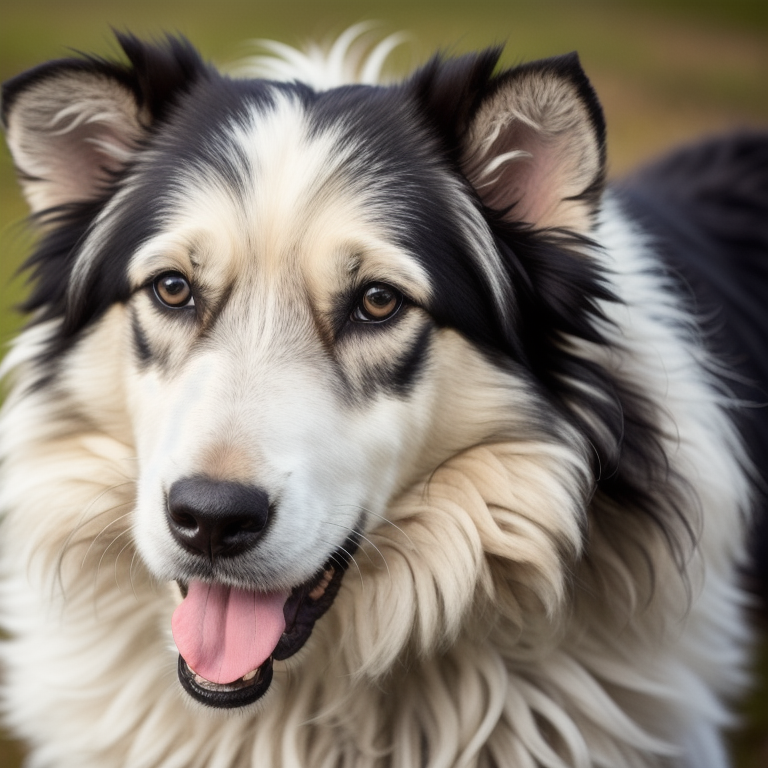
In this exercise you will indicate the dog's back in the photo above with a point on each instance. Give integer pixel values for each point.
(707, 207)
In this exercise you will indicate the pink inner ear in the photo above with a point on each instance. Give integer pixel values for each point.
(521, 171)
(80, 160)
(527, 174)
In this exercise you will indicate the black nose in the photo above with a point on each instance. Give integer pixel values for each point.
(216, 518)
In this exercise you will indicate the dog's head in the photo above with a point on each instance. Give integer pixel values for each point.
(303, 305)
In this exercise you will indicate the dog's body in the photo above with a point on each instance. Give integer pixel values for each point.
(282, 333)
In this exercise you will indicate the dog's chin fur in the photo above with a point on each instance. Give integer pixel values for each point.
(537, 587)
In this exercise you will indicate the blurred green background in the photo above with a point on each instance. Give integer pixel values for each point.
(666, 71)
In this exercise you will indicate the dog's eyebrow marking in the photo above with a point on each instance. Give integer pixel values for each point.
(382, 262)
(354, 262)
(164, 251)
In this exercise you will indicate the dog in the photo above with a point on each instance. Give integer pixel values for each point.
(364, 425)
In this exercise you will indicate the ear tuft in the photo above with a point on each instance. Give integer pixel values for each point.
(535, 147)
(161, 73)
(74, 125)
(449, 91)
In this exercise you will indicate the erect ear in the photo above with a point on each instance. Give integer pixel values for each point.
(534, 148)
(74, 124)
(70, 125)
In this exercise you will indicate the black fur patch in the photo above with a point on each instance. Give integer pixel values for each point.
(140, 342)
(411, 363)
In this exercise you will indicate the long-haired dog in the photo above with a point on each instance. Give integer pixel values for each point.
(360, 426)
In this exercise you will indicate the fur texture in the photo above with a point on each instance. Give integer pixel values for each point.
(410, 326)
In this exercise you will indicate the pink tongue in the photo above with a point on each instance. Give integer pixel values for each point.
(224, 633)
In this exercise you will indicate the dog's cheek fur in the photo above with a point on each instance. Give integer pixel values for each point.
(506, 504)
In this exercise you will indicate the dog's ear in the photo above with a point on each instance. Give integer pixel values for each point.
(74, 125)
(534, 148)
(530, 140)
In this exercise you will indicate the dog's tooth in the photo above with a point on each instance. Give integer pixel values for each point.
(319, 590)
(250, 675)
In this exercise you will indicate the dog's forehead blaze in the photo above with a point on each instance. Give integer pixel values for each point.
(303, 210)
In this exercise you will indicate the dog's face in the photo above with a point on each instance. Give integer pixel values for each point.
(319, 304)
(286, 365)
(280, 331)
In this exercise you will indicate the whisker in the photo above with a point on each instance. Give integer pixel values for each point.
(85, 520)
(365, 538)
(130, 574)
(101, 560)
(98, 498)
(101, 532)
(117, 560)
(351, 558)
(380, 517)
(353, 532)
(72, 540)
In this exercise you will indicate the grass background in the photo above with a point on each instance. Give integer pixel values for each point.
(666, 70)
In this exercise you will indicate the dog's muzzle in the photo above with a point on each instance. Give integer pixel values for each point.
(228, 637)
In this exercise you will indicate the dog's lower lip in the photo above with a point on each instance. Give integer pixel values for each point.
(239, 693)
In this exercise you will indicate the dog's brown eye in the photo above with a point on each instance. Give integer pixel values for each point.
(379, 302)
(174, 290)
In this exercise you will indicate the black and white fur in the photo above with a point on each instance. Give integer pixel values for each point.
(529, 468)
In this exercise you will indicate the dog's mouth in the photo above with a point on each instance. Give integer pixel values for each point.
(228, 637)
